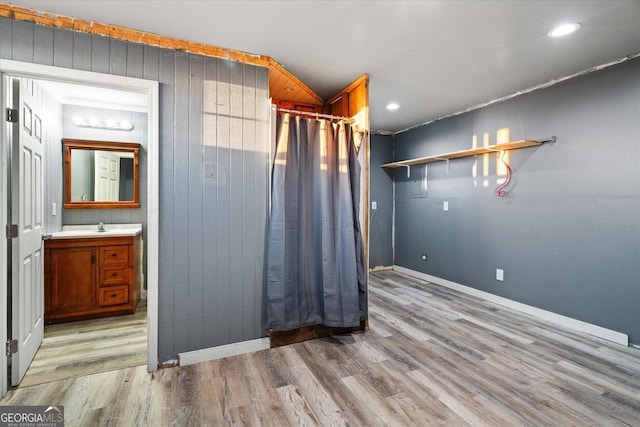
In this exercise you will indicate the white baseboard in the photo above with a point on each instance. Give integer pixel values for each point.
(213, 353)
(598, 331)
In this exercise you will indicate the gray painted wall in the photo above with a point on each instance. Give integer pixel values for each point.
(569, 240)
(381, 191)
(214, 172)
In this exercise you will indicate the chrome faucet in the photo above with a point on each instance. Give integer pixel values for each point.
(101, 227)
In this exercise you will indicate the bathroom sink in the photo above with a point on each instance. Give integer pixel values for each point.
(91, 231)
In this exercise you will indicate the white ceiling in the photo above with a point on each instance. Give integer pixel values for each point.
(434, 58)
(98, 97)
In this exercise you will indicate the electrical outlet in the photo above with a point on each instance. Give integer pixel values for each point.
(54, 209)
(445, 206)
(374, 206)
(499, 274)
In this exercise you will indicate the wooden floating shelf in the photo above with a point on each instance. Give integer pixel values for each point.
(469, 152)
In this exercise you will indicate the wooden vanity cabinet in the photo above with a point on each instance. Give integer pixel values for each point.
(87, 278)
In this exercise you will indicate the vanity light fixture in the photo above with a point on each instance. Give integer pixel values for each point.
(393, 106)
(102, 124)
(564, 29)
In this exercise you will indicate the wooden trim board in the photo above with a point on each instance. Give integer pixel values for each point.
(597, 331)
(127, 34)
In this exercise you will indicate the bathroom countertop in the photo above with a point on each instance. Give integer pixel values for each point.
(91, 231)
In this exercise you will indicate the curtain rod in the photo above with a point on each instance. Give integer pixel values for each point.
(307, 113)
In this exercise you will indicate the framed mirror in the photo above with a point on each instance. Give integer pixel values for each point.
(100, 174)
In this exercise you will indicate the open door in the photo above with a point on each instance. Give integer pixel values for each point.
(27, 284)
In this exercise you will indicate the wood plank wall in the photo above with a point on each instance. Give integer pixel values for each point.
(214, 174)
(352, 101)
(298, 106)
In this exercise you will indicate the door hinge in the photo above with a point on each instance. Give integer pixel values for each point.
(12, 115)
(12, 347)
(12, 231)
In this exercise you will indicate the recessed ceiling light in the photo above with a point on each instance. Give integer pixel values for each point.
(564, 29)
(393, 106)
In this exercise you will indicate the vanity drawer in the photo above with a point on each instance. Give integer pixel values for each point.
(114, 254)
(113, 295)
(113, 276)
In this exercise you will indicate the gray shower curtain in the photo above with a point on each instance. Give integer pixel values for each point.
(315, 261)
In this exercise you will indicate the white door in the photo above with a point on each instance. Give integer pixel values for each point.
(107, 176)
(27, 284)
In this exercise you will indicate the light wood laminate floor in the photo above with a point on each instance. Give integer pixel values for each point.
(432, 357)
(90, 346)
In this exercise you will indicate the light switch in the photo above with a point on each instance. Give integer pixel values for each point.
(445, 206)
(54, 209)
(374, 206)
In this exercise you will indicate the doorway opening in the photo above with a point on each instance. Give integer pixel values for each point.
(111, 342)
